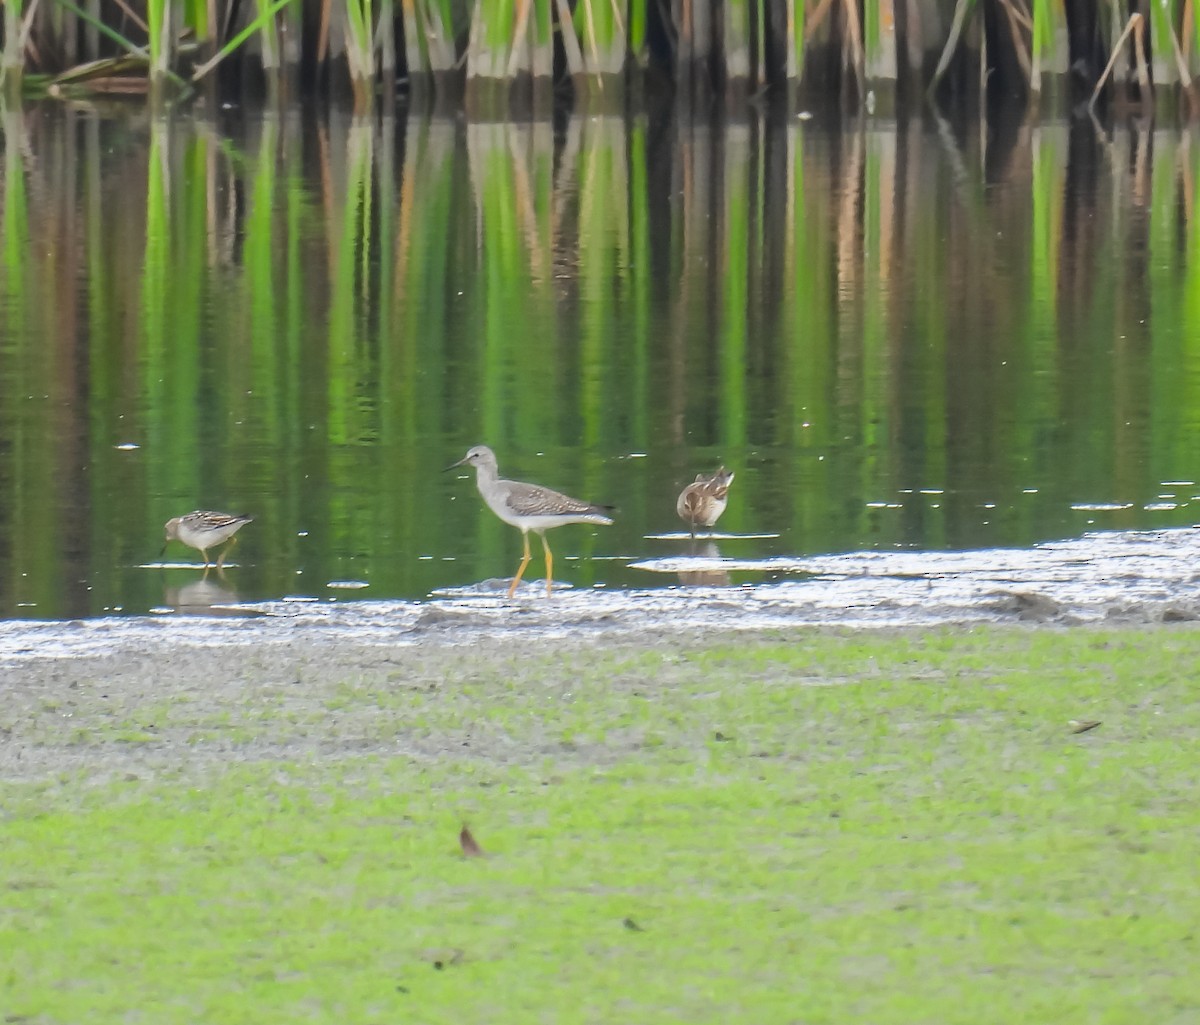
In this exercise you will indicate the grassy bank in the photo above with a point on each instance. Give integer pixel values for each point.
(875, 827)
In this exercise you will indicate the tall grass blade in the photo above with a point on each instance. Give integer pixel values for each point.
(12, 60)
(360, 50)
(600, 25)
(268, 39)
(1040, 43)
(264, 14)
(962, 9)
(159, 17)
(879, 40)
(573, 53)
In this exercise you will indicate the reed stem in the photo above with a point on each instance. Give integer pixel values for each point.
(12, 64)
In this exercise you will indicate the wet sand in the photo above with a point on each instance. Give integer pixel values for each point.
(171, 710)
(180, 695)
(177, 697)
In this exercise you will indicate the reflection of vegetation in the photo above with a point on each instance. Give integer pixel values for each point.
(298, 327)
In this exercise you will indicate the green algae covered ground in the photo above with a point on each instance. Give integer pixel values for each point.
(814, 827)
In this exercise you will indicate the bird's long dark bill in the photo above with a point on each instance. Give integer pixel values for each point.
(164, 550)
(454, 465)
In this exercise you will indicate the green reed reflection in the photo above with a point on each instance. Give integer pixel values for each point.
(894, 338)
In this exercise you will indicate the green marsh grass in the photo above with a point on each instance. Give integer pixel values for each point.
(487, 48)
(796, 17)
(12, 59)
(428, 37)
(1049, 20)
(738, 41)
(360, 50)
(160, 18)
(827, 827)
(600, 27)
(263, 24)
(724, 46)
(636, 13)
(879, 39)
(267, 38)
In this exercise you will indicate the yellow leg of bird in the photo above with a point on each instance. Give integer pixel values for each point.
(521, 569)
(225, 551)
(204, 552)
(549, 568)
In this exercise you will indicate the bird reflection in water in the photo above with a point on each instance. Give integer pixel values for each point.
(714, 576)
(208, 596)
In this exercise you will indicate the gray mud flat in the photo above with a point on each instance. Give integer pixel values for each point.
(180, 710)
(186, 693)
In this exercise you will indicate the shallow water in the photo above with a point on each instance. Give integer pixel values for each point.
(943, 367)
(1131, 578)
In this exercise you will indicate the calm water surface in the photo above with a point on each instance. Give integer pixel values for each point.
(903, 339)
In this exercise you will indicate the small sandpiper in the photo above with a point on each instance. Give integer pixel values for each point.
(528, 507)
(701, 503)
(203, 530)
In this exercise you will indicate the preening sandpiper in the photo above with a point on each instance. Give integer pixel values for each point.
(701, 503)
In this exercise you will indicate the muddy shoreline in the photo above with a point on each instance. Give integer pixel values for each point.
(177, 697)
(177, 710)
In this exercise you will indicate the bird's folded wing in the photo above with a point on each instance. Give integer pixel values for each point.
(532, 500)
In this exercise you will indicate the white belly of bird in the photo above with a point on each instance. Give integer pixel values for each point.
(540, 523)
(204, 539)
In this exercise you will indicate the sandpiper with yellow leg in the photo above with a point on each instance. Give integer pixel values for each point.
(203, 530)
(528, 507)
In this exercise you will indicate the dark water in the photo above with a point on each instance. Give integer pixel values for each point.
(903, 339)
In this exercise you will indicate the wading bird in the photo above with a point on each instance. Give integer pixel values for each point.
(528, 507)
(701, 503)
(203, 530)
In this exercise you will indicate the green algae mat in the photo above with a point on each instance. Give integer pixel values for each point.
(809, 827)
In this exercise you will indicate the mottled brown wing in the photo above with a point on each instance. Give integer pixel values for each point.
(534, 500)
(215, 520)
